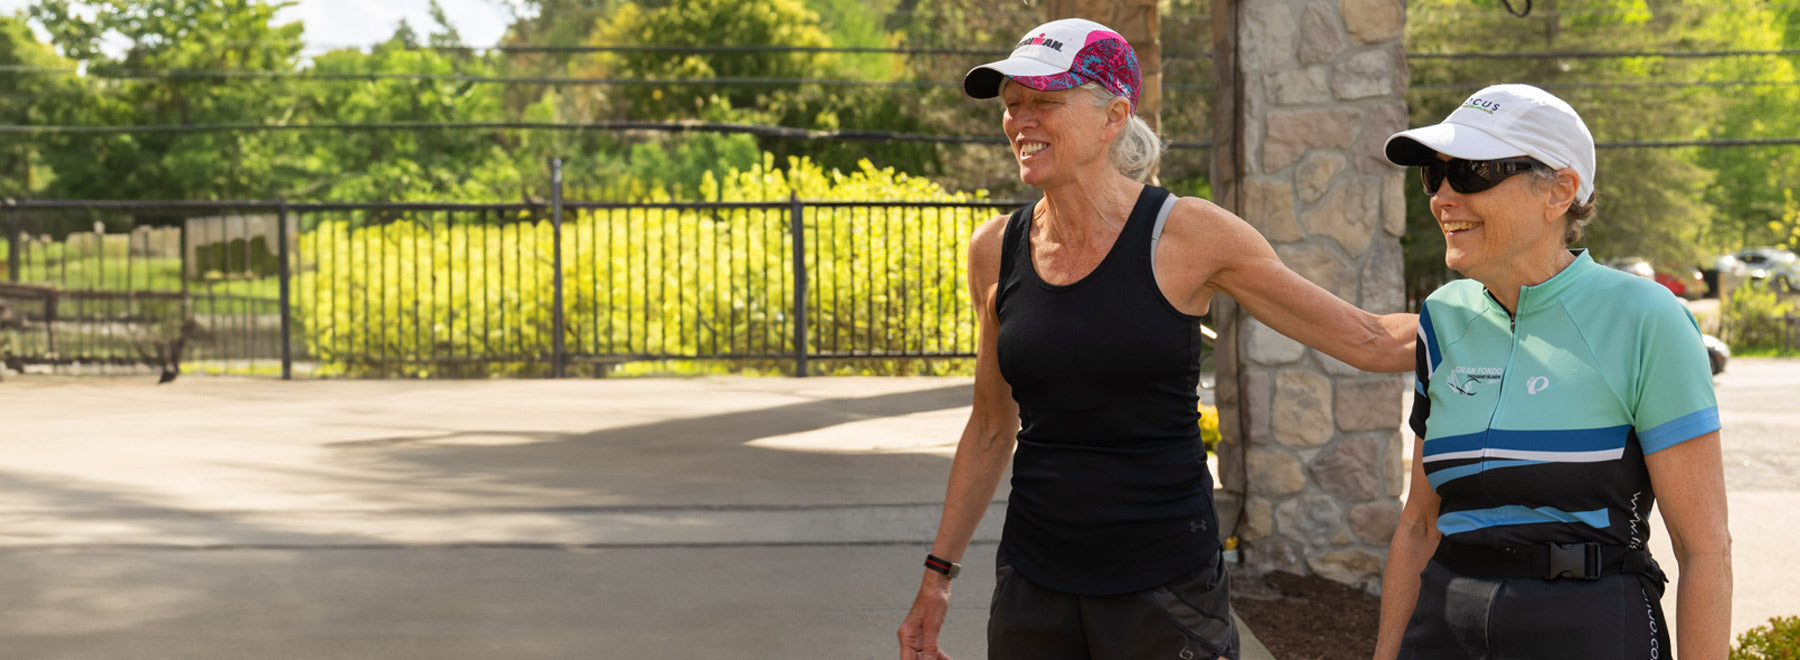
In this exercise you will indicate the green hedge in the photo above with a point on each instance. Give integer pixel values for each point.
(237, 257)
(1755, 321)
(417, 297)
(1778, 640)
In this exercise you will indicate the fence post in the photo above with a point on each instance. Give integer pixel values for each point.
(557, 357)
(13, 236)
(797, 225)
(284, 252)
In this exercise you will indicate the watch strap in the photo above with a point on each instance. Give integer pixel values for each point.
(948, 568)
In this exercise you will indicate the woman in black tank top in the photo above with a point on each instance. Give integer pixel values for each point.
(1087, 369)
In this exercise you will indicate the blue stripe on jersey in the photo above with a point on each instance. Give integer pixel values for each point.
(1430, 337)
(1440, 477)
(1557, 446)
(1679, 430)
(1513, 514)
(1435, 448)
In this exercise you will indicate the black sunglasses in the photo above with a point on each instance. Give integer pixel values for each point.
(1472, 176)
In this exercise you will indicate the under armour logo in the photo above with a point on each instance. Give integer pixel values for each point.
(1536, 384)
(1195, 526)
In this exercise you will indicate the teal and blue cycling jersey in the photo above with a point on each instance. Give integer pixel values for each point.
(1536, 424)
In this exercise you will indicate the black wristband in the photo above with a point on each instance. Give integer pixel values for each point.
(949, 568)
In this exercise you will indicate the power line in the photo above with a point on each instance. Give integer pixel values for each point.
(612, 126)
(1598, 54)
(1615, 85)
(216, 74)
(823, 50)
(1716, 142)
(850, 50)
(714, 49)
(219, 74)
(779, 132)
(1617, 11)
(1001, 52)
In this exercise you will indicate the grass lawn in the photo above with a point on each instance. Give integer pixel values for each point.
(112, 267)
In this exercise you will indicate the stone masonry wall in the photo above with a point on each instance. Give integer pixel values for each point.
(1310, 91)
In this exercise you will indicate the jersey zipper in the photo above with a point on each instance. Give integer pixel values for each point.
(1512, 353)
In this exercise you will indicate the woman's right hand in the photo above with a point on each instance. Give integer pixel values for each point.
(919, 632)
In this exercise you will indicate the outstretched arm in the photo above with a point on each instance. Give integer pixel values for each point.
(1298, 308)
(1233, 258)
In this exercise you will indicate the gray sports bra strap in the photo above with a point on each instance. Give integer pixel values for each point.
(1162, 217)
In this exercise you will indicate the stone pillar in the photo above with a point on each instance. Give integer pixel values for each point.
(1309, 91)
(1136, 20)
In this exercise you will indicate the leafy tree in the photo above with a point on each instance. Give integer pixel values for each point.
(31, 97)
(408, 165)
(706, 23)
(1754, 186)
(790, 97)
(237, 37)
(1659, 203)
(959, 25)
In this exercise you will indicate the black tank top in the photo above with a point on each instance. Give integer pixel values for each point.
(1110, 491)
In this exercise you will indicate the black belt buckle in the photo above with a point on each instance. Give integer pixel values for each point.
(1580, 561)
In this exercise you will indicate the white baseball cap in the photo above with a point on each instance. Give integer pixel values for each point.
(1505, 121)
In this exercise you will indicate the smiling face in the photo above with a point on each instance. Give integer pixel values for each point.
(1505, 234)
(1057, 137)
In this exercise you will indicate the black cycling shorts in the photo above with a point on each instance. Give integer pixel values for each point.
(1464, 618)
(1187, 619)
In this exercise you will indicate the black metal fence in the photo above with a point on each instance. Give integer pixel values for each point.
(466, 290)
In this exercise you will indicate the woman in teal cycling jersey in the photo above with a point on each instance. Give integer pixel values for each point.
(1557, 402)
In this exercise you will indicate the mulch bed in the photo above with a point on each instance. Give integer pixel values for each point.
(1307, 617)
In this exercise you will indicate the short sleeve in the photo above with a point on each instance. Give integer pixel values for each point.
(1421, 402)
(1675, 400)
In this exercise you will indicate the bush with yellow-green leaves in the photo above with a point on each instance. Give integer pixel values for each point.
(1777, 640)
(417, 297)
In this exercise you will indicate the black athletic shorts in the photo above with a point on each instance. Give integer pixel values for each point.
(1187, 619)
(1463, 618)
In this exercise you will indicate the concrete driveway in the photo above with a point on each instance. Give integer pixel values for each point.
(691, 518)
(242, 518)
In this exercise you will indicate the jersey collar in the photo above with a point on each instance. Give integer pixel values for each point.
(1541, 295)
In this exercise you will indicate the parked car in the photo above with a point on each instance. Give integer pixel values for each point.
(1683, 281)
(1716, 353)
(1771, 264)
(1725, 273)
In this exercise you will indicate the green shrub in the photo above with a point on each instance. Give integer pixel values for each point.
(237, 257)
(415, 297)
(1779, 640)
(1209, 427)
(1754, 321)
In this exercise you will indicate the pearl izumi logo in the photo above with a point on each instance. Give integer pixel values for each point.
(1483, 105)
(1042, 40)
